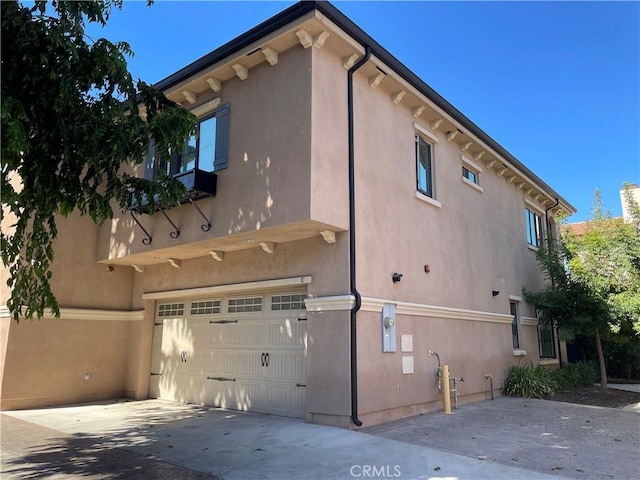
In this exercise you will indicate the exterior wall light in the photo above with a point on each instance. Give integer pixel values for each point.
(396, 277)
(495, 293)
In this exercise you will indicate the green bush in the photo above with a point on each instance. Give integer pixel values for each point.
(529, 382)
(576, 374)
(538, 382)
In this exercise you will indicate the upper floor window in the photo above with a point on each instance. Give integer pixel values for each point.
(470, 175)
(533, 223)
(424, 166)
(207, 150)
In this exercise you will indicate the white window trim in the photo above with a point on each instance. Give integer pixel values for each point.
(430, 135)
(421, 196)
(466, 181)
(470, 163)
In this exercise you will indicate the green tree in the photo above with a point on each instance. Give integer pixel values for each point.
(70, 122)
(594, 281)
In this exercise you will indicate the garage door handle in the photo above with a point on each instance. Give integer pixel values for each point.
(222, 379)
(223, 321)
(155, 374)
(300, 385)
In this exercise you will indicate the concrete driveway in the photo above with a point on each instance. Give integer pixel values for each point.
(157, 439)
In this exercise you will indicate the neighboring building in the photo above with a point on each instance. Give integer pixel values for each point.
(626, 208)
(288, 286)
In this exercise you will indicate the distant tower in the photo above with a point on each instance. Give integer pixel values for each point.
(626, 211)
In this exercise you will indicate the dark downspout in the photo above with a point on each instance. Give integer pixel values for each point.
(546, 220)
(352, 241)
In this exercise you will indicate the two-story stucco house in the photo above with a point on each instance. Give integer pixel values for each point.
(344, 221)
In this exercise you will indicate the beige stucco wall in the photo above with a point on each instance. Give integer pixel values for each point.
(267, 181)
(473, 244)
(46, 362)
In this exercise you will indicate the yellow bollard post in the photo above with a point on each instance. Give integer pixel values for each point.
(445, 390)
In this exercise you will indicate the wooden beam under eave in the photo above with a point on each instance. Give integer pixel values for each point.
(214, 84)
(349, 61)
(451, 135)
(271, 55)
(319, 39)
(190, 96)
(375, 80)
(417, 111)
(304, 38)
(397, 97)
(241, 71)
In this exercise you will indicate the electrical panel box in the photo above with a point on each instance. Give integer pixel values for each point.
(389, 328)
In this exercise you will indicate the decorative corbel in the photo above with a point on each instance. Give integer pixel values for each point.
(241, 71)
(304, 38)
(435, 124)
(214, 84)
(271, 55)
(328, 236)
(375, 80)
(217, 255)
(349, 61)
(417, 111)
(190, 96)
(397, 97)
(268, 247)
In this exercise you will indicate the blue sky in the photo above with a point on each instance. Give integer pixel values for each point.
(556, 83)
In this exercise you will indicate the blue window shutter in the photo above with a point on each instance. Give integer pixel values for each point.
(150, 161)
(222, 138)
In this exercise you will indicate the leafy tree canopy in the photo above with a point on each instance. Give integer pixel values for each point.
(70, 122)
(594, 278)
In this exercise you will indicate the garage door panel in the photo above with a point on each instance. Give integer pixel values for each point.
(243, 358)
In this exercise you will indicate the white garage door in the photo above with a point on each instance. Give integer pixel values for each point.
(244, 352)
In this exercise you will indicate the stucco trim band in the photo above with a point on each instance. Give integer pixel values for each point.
(530, 321)
(234, 287)
(89, 314)
(369, 304)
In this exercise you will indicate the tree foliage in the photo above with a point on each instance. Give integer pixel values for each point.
(593, 286)
(70, 122)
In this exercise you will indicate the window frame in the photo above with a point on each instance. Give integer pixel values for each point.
(428, 190)
(469, 166)
(154, 163)
(515, 324)
(546, 323)
(534, 227)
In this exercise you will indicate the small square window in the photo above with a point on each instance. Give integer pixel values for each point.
(470, 175)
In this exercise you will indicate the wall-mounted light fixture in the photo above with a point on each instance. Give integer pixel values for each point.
(396, 277)
(495, 293)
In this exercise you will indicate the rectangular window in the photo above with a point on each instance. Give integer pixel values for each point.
(424, 167)
(208, 307)
(243, 305)
(170, 310)
(514, 324)
(207, 150)
(546, 341)
(533, 223)
(470, 175)
(288, 302)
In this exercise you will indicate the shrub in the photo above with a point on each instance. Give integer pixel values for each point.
(575, 374)
(538, 382)
(528, 382)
